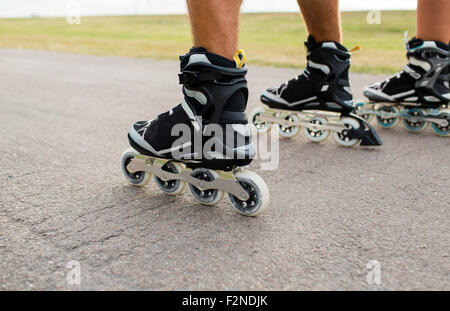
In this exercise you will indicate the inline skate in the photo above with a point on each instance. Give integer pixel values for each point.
(319, 100)
(204, 141)
(419, 95)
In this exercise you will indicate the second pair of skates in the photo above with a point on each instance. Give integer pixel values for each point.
(419, 95)
(319, 101)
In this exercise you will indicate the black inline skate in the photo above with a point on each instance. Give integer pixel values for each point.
(418, 95)
(319, 100)
(204, 141)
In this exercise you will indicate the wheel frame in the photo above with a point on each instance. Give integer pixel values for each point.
(423, 123)
(216, 194)
(178, 186)
(267, 125)
(144, 177)
(391, 109)
(249, 179)
(436, 127)
(295, 129)
(367, 116)
(322, 137)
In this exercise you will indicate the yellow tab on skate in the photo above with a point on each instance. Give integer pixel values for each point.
(356, 48)
(239, 58)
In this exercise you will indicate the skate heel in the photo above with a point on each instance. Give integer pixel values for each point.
(366, 133)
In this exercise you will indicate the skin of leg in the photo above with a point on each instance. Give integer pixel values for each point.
(215, 25)
(322, 19)
(433, 22)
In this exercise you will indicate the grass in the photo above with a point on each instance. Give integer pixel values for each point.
(269, 39)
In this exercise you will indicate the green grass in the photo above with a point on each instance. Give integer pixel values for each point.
(269, 39)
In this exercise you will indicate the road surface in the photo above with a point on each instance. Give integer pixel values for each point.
(337, 216)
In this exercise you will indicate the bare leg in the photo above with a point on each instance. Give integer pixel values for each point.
(433, 22)
(215, 25)
(322, 19)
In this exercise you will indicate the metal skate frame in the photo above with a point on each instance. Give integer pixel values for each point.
(277, 116)
(225, 182)
(433, 115)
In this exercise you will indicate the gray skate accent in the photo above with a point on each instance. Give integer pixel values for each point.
(278, 99)
(330, 45)
(374, 94)
(324, 68)
(63, 127)
(199, 96)
(141, 141)
(420, 63)
(198, 58)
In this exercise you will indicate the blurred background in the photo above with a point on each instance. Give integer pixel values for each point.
(272, 32)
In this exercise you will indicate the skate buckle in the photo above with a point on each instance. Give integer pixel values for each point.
(187, 77)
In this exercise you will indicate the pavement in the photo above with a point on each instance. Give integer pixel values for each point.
(339, 219)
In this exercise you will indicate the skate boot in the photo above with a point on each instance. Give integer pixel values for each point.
(418, 95)
(319, 100)
(204, 141)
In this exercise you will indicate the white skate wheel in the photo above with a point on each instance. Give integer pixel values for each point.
(171, 187)
(415, 124)
(289, 131)
(260, 127)
(314, 134)
(139, 179)
(208, 196)
(257, 190)
(342, 137)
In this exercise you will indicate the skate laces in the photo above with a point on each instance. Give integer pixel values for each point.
(239, 58)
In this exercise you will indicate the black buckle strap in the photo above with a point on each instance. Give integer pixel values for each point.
(194, 77)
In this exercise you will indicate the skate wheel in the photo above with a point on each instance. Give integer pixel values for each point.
(171, 187)
(257, 190)
(366, 116)
(442, 130)
(260, 127)
(314, 134)
(139, 179)
(342, 137)
(289, 131)
(386, 121)
(415, 123)
(210, 196)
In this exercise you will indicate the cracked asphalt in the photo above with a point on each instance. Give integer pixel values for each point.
(63, 125)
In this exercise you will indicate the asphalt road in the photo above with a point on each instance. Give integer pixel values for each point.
(63, 125)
